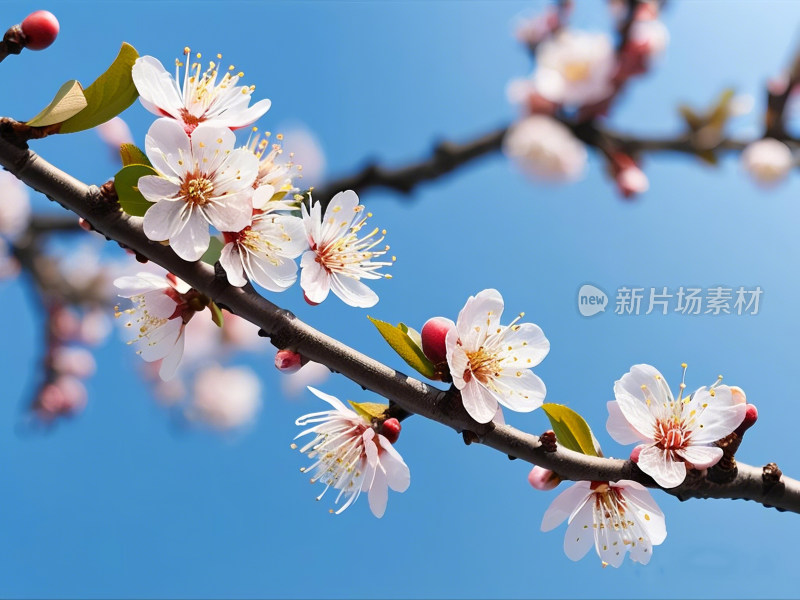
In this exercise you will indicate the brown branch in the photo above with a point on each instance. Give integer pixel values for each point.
(12, 43)
(100, 209)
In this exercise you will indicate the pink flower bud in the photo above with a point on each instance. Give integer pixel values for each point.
(390, 429)
(543, 479)
(288, 361)
(40, 29)
(635, 453)
(433, 335)
(73, 361)
(64, 324)
(630, 179)
(750, 418)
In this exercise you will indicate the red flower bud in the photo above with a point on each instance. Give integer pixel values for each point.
(390, 429)
(288, 361)
(40, 29)
(635, 454)
(750, 417)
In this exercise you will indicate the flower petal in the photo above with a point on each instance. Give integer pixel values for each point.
(620, 428)
(701, 457)
(193, 239)
(163, 220)
(479, 318)
(231, 261)
(712, 417)
(398, 475)
(169, 149)
(580, 533)
(480, 403)
(565, 504)
(314, 279)
(667, 472)
(352, 291)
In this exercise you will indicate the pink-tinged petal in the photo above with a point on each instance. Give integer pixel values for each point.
(156, 87)
(456, 358)
(163, 220)
(498, 418)
(332, 400)
(231, 261)
(520, 391)
(159, 304)
(479, 318)
(352, 291)
(232, 212)
(171, 361)
(480, 403)
(273, 277)
(168, 148)
(528, 345)
(314, 279)
(378, 493)
(192, 241)
(580, 533)
(136, 285)
(701, 457)
(711, 418)
(565, 504)
(155, 188)
(620, 428)
(370, 448)
(667, 473)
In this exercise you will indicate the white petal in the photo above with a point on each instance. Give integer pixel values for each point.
(192, 240)
(273, 277)
(565, 504)
(580, 533)
(332, 400)
(620, 428)
(159, 341)
(521, 391)
(716, 416)
(232, 212)
(163, 220)
(378, 493)
(648, 514)
(136, 285)
(667, 473)
(210, 145)
(527, 344)
(231, 261)
(167, 146)
(353, 292)
(171, 361)
(159, 304)
(314, 279)
(479, 318)
(456, 358)
(701, 457)
(479, 402)
(398, 475)
(156, 87)
(236, 119)
(155, 188)
(262, 196)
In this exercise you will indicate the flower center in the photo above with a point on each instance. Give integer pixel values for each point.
(669, 435)
(577, 71)
(197, 189)
(482, 366)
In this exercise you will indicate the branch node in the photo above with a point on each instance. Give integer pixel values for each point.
(771, 474)
(470, 437)
(549, 441)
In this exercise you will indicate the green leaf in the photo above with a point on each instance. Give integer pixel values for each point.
(214, 251)
(126, 183)
(68, 101)
(133, 155)
(571, 430)
(369, 410)
(401, 342)
(109, 95)
(216, 314)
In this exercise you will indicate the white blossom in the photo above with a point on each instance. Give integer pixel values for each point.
(490, 363)
(673, 432)
(225, 398)
(338, 259)
(200, 98)
(619, 517)
(15, 207)
(201, 180)
(351, 457)
(155, 318)
(546, 148)
(767, 160)
(575, 68)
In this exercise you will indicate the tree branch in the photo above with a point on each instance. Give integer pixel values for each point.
(99, 207)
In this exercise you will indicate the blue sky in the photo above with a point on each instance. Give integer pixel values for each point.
(121, 503)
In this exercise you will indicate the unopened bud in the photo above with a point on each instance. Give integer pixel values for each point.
(390, 429)
(40, 29)
(434, 333)
(635, 453)
(287, 361)
(543, 479)
(750, 417)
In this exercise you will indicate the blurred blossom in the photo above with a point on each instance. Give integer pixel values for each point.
(65, 396)
(94, 327)
(575, 68)
(64, 323)
(73, 361)
(651, 35)
(741, 104)
(768, 161)
(630, 179)
(225, 398)
(115, 133)
(241, 333)
(546, 148)
(202, 338)
(305, 149)
(311, 374)
(15, 207)
(532, 30)
(9, 267)
(168, 393)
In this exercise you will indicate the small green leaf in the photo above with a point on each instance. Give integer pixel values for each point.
(214, 251)
(109, 95)
(126, 183)
(401, 342)
(571, 429)
(216, 314)
(133, 155)
(68, 102)
(369, 410)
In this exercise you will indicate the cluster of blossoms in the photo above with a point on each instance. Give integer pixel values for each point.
(577, 74)
(203, 180)
(15, 214)
(677, 434)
